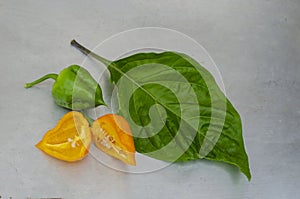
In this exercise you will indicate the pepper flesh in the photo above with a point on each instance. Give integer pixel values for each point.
(69, 140)
(74, 88)
(112, 135)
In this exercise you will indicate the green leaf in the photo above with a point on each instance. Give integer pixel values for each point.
(176, 110)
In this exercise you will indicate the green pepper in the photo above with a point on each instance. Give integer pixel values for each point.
(74, 88)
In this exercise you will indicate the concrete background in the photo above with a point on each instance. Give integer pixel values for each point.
(256, 45)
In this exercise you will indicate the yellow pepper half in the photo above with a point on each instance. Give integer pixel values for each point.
(112, 135)
(69, 140)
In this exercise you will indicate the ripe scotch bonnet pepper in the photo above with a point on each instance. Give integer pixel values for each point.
(69, 140)
(74, 88)
(112, 135)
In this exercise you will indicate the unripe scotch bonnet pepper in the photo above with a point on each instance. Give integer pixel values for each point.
(74, 88)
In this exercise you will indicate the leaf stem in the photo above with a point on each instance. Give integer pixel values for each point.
(87, 117)
(88, 52)
(51, 75)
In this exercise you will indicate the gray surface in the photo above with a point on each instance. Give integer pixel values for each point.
(256, 45)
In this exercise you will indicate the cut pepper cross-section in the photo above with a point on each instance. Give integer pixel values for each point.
(69, 140)
(112, 135)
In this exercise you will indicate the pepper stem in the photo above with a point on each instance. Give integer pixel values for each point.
(51, 75)
(88, 52)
